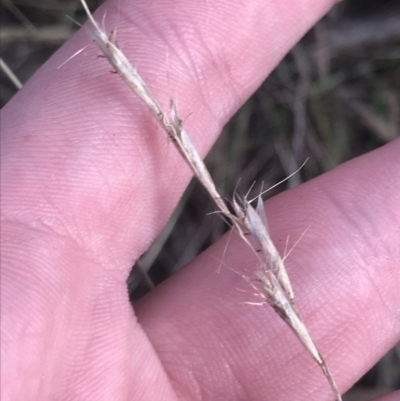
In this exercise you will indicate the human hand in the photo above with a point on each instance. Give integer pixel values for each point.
(88, 182)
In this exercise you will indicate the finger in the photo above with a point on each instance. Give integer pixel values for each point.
(85, 159)
(346, 277)
(395, 396)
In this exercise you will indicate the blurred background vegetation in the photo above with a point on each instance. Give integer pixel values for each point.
(335, 96)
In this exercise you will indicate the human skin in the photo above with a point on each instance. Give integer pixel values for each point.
(395, 396)
(88, 181)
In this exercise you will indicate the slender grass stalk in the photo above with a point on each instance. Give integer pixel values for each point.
(272, 282)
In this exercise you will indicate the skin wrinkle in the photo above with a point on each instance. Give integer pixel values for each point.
(200, 71)
(362, 225)
(194, 387)
(142, 27)
(378, 291)
(348, 218)
(364, 237)
(239, 391)
(230, 87)
(60, 226)
(332, 198)
(184, 55)
(190, 66)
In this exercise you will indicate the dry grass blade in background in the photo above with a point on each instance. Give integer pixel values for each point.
(272, 282)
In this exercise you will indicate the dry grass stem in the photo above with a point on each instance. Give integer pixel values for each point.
(272, 283)
(7, 71)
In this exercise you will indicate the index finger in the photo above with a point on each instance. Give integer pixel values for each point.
(91, 148)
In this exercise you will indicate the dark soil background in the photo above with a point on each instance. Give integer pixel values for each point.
(335, 96)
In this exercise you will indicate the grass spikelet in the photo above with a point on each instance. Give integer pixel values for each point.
(272, 283)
